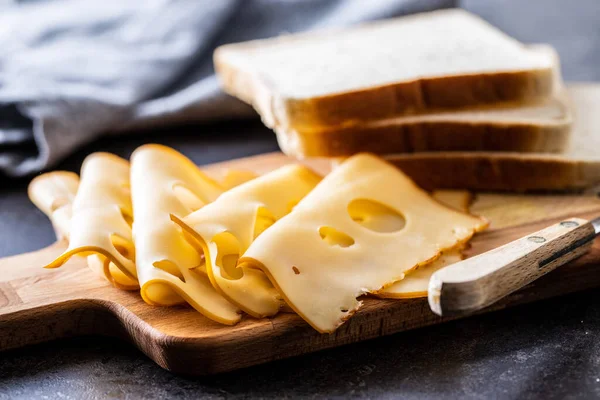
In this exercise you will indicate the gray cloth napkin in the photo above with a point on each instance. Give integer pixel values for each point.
(72, 70)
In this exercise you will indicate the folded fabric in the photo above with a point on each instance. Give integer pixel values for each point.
(73, 70)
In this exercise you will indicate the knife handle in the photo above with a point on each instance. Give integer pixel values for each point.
(480, 281)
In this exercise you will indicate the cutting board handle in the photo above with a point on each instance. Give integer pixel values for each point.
(480, 281)
(26, 319)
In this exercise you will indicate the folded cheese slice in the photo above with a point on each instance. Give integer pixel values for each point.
(100, 226)
(416, 283)
(225, 228)
(53, 193)
(164, 182)
(361, 229)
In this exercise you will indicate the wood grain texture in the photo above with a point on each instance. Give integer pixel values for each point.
(38, 305)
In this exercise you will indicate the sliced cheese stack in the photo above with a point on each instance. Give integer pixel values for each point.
(360, 230)
(285, 240)
(165, 183)
(100, 225)
(226, 228)
(95, 216)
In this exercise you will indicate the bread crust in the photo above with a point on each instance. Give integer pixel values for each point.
(416, 97)
(430, 135)
(491, 171)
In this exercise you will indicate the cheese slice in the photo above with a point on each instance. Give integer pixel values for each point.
(457, 199)
(164, 182)
(61, 221)
(53, 194)
(100, 227)
(226, 228)
(362, 228)
(416, 283)
(233, 178)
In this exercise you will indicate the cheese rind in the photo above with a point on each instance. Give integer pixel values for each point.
(320, 276)
(100, 221)
(167, 264)
(225, 229)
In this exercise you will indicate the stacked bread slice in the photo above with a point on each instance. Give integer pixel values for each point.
(444, 95)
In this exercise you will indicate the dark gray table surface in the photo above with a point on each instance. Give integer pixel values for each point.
(544, 350)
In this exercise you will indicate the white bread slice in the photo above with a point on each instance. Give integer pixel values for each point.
(444, 59)
(538, 127)
(575, 169)
(532, 127)
(543, 126)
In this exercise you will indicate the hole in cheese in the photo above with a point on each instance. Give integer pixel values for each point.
(229, 263)
(192, 242)
(334, 237)
(123, 246)
(264, 219)
(188, 198)
(170, 267)
(228, 252)
(200, 269)
(376, 216)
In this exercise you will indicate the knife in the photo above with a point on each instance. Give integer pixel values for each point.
(478, 282)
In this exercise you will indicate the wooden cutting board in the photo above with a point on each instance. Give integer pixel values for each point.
(38, 305)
